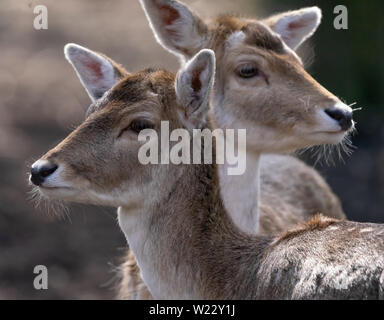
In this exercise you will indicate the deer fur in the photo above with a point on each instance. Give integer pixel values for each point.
(297, 191)
(174, 218)
(248, 104)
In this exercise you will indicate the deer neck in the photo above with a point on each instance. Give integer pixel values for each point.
(185, 239)
(241, 194)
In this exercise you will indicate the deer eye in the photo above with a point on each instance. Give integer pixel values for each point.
(248, 71)
(138, 125)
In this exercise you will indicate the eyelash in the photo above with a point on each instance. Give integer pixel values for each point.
(248, 71)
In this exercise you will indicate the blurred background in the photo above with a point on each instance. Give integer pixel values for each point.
(41, 100)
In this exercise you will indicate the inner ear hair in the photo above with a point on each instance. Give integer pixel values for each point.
(295, 27)
(176, 27)
(193, 86)
(97, 72)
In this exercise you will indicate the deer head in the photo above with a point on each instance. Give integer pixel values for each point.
(98, 162)
(261, 84)
(191, 239)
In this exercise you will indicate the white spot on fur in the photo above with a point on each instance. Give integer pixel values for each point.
(366, 230)
(236, 38)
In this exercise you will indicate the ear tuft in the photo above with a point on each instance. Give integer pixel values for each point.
(194, 84)
(295, 27)
(175, 26)
(97, 73)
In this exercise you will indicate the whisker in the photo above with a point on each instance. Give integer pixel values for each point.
(50, 208)
(324, 154)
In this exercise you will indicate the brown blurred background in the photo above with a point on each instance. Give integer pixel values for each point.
(41, 100)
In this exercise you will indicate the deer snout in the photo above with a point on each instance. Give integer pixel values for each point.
(343, 116)
(41, 170)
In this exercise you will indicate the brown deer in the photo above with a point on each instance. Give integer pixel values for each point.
(173, 216)
(252, 91)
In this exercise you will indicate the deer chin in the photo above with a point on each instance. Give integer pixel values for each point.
(327, 137)
(76, 195)
(58, 193)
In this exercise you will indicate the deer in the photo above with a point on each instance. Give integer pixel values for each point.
(173, 216)
(244, 84)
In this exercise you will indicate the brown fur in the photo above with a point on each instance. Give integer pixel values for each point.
(307, 193)
(189, 237)
(291, 80)
(258, 35)
(318, 222)
(131, 90)
(131, 271)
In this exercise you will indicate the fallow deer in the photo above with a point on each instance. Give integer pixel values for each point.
(173, 217)
(253, 91)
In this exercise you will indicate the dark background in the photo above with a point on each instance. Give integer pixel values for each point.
(41, 100)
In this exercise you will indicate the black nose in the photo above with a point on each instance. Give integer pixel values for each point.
(40, 172)
(343, 117)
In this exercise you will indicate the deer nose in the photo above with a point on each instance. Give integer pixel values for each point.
(41, 170)
(343, 117)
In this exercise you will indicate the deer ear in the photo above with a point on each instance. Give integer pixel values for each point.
(194, 84)
(176, 27)
(97, 73)
(295, 27)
